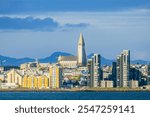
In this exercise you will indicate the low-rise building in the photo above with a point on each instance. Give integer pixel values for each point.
(8, 85)
(14, 76)
(106, 84)
(35, 82)
(2, 76)
(133, 84)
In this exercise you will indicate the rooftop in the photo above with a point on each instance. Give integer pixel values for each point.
(67, 58)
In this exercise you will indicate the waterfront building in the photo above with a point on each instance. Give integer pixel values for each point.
(148, 69)
(8, 85)
(94, 71)
(55, 76)
(148, 73)
(135, 74)
(25, 82)
(2, 77)
(35, 82)
(106, 84)
(133, 84)
(123, 68)
(114, 74)
(14, 76)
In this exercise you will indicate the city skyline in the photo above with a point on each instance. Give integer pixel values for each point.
(28, 31)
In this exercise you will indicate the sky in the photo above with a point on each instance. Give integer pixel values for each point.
(37, 28)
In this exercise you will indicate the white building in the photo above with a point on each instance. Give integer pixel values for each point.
(133, 84)
(123, 68)
(94, 71)
(106, 84)
(68, 61)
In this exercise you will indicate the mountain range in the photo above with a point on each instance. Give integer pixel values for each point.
(9, 61)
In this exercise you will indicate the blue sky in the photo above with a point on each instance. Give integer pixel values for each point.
(37, 28)
(19, 6)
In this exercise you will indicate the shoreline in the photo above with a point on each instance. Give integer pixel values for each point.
(74, 90)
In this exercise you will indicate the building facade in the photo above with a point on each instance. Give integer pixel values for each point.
(13, 76)
(68, 61)
(94, 71)
(114, 74)
(135, 74)
(123, 68)
(148, 69)
(106, 84)
(35, 82)
(55, 76)
(133, 84)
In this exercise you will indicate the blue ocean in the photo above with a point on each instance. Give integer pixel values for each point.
(75, 95)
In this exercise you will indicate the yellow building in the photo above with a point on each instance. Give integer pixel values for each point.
(25, 81)
(2, 77)
(36, 82)
(13, 76)
(55, 76)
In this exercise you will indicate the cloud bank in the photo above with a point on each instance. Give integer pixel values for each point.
(30, 23)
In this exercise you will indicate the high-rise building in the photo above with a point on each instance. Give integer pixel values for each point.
(123, 68)
(94, 71)
(55, 76)
(148, 69)
(148, 73)
(81, 57)
(114, 74)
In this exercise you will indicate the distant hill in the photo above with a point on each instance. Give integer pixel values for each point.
(9, 61)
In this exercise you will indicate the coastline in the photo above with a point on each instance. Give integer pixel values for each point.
(74, 90)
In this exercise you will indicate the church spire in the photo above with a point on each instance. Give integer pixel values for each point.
(82, 60)
(81, 39)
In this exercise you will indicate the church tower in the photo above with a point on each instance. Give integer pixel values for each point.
(81, 58)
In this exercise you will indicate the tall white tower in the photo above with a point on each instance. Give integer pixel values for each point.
(123, 68)
(82, 59)
(94, 70)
